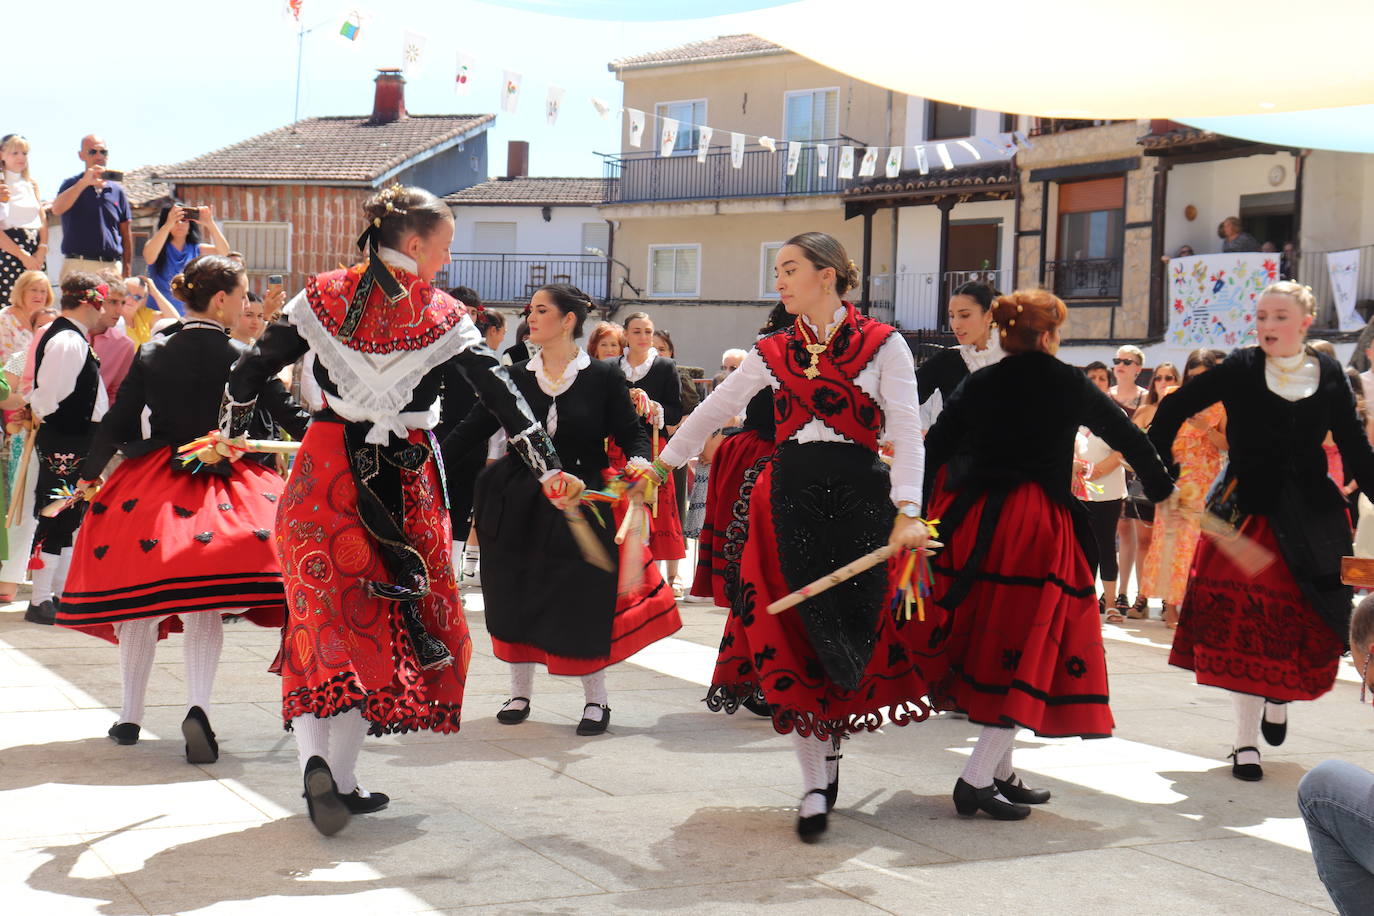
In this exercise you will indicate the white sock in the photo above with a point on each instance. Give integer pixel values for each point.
(43, 578)
(64, 566)
(1248, 711)
(137, 643)
(471, 554)
(346, 733)
(993, 744)
(594, 689)
(1276, 713)
(312, 738)
(1004, 771)
(204, 639)
(521, 684)
(811, 755)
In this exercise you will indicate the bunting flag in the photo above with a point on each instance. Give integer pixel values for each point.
(822, 159)
(894, 162)
(667, 136)
(943, 152)
(352, 26)
(869, 165)
(736, 150)
(794, 149)
(412, 52)
(922, 163)
(636, 126)
(846, 162)
(510, 91)
(291, 11)
(552, 104)
(603, 108)
(769, 144)
(703, 142)
(462, 80)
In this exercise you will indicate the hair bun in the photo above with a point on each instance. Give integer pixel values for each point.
(181, 288)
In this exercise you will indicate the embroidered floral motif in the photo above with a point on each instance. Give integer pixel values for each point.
(147, 544)
(101, 551)
(1075, 666)
(182, 512)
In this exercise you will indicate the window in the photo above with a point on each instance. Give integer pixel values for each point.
(596, 235)
(688, 114)
(493, 238)
(811, 114)
(768, 254)
(948, 122)
(266, 247)
(1006, 122)
(674, 270)
(1091, 225)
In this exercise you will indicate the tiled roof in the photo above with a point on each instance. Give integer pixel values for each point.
(141, 187)
(332, 150)
(981, 176)
(1179, 136)
(726, 47)
(534, 191)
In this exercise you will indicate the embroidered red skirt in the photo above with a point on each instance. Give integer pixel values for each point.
(1253, 634)
(158, 542)
(724, 507)
(1025, 639)
(342, 647)
(665, 529)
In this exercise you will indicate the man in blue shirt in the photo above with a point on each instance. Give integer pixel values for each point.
(95, 216)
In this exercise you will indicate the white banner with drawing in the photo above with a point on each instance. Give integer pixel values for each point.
(1212, 298)
(1344, 270)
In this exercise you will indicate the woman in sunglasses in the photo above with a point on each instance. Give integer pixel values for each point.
(1133, 531)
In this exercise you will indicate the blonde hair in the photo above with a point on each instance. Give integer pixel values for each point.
(1300, 294)
(1132, 350)
(15, 141)
(27, 279)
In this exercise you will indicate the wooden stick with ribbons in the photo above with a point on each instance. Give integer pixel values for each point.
(214, 447)
(843, 574)
(593, 551)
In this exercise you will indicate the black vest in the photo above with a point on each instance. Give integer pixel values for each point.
(72, 418)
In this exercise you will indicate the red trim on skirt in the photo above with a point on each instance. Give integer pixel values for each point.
(733, 457)
(1253, 634)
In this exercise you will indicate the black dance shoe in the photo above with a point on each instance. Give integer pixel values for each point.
(1020, 794)
(1274, 732)
(357, 803)
(513, 716)
(201, 746)
(757, 705)
(590, 726)
(44, 613)
(811, 828)
(327, 809)
(832, 791)
(968, 801)
(1249, 772)
(124, 733)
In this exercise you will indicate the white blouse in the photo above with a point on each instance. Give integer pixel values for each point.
(889, 378)
(1090, 447)
(554, 388)
(974, 359)
(635, 373)
(23, 209)
(1292, 377)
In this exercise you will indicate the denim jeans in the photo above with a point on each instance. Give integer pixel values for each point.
(1337, 803)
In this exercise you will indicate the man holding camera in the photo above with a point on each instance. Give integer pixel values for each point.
(95, 215)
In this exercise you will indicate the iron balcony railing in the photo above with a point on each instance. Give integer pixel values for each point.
(513, 278)
(647, 176)
(1086, 278)
(920, 301)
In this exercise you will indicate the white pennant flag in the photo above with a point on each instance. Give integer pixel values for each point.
(462, 81)
(869, 165)
(636, 126)
(894, 162)
(412, 50)
(822, 159)
(769, 144)
(943, 152)
(793, 156)
(922, 163)
(667, 136)
(553, 104)
(510, 91)
(977, 156)
(603, 108)
(703, 142)
(846, 162)
(736, 150)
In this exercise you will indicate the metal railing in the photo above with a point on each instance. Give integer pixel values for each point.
(647, 176)
(919, 301)
(1086, 278)
(513, 278)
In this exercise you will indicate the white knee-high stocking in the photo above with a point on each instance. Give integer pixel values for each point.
(64, 566)
(993, 745)
(594, 689)
(204, 640)
(312, 738)
(346, 733)
(521, 684)
(811, 755)
(1249, 709)
(44, 577)
(137, 643)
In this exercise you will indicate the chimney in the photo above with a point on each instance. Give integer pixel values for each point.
(389, 100)
(517, 159)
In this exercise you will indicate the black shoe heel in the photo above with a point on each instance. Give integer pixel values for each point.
(810, 828)
(124, 733)
(201, 746)
(513, 716)
(1019, 794)
(969, 800)
(327, 810)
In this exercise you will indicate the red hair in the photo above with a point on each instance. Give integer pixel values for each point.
(604, 329)
(1024, 315)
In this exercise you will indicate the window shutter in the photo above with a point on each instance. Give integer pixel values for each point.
(662, 281)
(685, 275)
(596, 235)
(493, 238)
(1098, 194)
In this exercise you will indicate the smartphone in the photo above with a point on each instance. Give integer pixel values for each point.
(189, 212)
(112, 175)
(276, 280)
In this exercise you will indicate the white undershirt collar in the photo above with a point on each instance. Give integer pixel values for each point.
(635, 373)
(393, 258)
(553, 389)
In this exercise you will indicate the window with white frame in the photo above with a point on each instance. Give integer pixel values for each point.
(689, 115)
(266, 247)
(811, 114)
(675, 270)
(768, 254)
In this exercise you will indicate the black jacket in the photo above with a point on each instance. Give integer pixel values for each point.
(1015, 421)
(942, 372)
(662, 384)
(1274, 443)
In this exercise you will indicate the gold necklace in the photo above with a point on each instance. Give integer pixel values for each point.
(816, 347)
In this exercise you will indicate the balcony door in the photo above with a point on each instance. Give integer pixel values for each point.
(1091, 238)
(809, 116)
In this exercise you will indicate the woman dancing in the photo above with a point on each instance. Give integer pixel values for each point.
(970, 320)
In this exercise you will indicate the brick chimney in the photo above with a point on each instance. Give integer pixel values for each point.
(389, 100)
(517, 159)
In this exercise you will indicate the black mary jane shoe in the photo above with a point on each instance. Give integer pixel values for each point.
(1249, 772)
(44, 614)
(1274, 732)
(810, 828)
(1020, 794)
(328, 811)
(124, 733)
(357, 803)
(201, 746)
(832, 791)
(969, 800)
(758, 706)
(589, 726)
(513, 716)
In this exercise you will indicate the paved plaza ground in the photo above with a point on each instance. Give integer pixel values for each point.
(675, 810)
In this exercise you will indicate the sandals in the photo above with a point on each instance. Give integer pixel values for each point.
(678, 591)
(1140, 610)
(1171, 616)
(1114, 615)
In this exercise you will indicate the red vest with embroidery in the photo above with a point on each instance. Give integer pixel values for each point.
(832, 396)
(413, 322)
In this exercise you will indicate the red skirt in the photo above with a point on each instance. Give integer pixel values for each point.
(1025, 642)
(1253, 634)
(342, 647)
(772, 654)
(665, 528)
(158, 542)
(724, 507)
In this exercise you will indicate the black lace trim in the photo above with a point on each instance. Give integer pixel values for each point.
(728, 698)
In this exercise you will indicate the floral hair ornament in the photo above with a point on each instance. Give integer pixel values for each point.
(96, 293)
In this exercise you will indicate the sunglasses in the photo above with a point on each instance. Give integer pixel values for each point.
(98, 152)
(1125, 362)
(1166, 378)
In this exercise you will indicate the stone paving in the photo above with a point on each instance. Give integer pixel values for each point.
(674, 810)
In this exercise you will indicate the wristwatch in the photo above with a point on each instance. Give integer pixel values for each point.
(910, 510)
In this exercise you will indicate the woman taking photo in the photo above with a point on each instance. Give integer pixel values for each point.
(970, 320)
(841, 662)
(177, 242)
(1273, 636)
(24, 219)
(1016, 577)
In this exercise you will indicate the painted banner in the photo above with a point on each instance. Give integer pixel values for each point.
(1212, 298)
(1344, 268)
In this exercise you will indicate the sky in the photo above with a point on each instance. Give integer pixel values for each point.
(165, 81)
